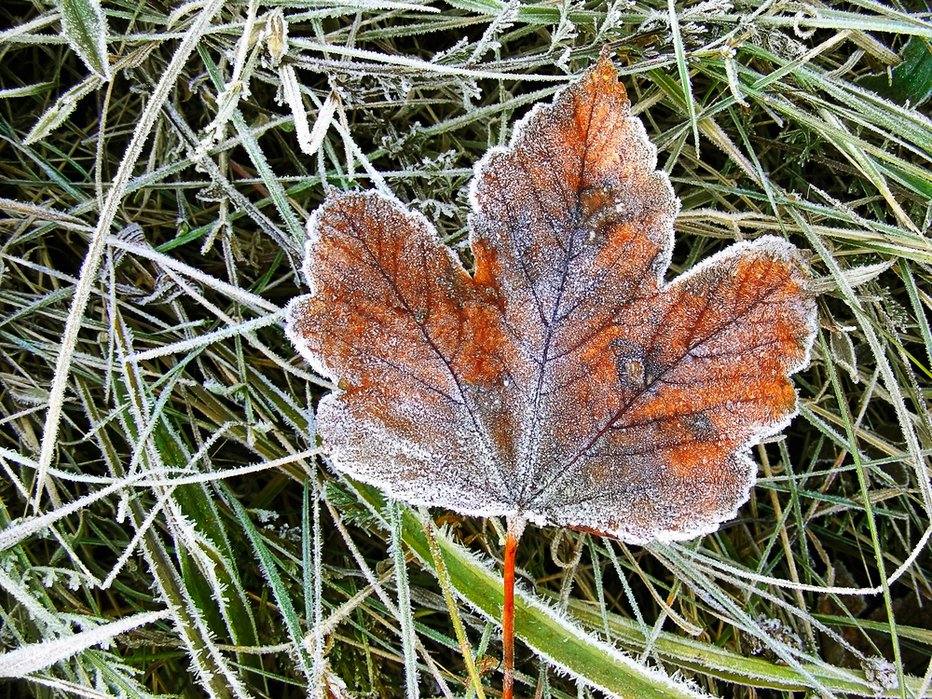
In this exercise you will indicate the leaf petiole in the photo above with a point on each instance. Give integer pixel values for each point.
(515, 529)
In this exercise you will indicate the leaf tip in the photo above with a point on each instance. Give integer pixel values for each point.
(603, 78)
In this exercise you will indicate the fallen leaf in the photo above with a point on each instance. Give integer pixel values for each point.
(563, 381)
(910, 82)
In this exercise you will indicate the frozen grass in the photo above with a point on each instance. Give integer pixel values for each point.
(162, 485)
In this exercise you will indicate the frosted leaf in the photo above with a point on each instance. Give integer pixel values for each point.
(276, 36)
(59, 112)
(84, 25)
(564, 381)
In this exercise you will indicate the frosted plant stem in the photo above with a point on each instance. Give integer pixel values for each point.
(311, 554)
(515, 528)
(405, 616)
(95, 250)
(443, 576)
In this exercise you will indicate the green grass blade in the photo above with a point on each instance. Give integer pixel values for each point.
(85, 27)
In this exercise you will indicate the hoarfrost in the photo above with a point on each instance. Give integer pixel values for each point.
(881, 674)
(564, 381)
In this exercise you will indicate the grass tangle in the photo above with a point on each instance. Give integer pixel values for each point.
(168, 525)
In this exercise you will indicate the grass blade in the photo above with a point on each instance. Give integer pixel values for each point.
(85, 26)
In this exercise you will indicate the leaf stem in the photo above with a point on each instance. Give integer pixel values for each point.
(515, 529)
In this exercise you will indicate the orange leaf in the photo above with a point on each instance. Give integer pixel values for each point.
(564, 381)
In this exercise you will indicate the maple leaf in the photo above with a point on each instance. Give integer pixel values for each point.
(563, 381)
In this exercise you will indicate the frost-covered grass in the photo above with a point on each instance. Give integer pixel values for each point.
(162, 487)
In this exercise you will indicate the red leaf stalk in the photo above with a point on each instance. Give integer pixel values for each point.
(515, 528)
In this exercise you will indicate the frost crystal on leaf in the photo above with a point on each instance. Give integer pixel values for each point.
(563, 381)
